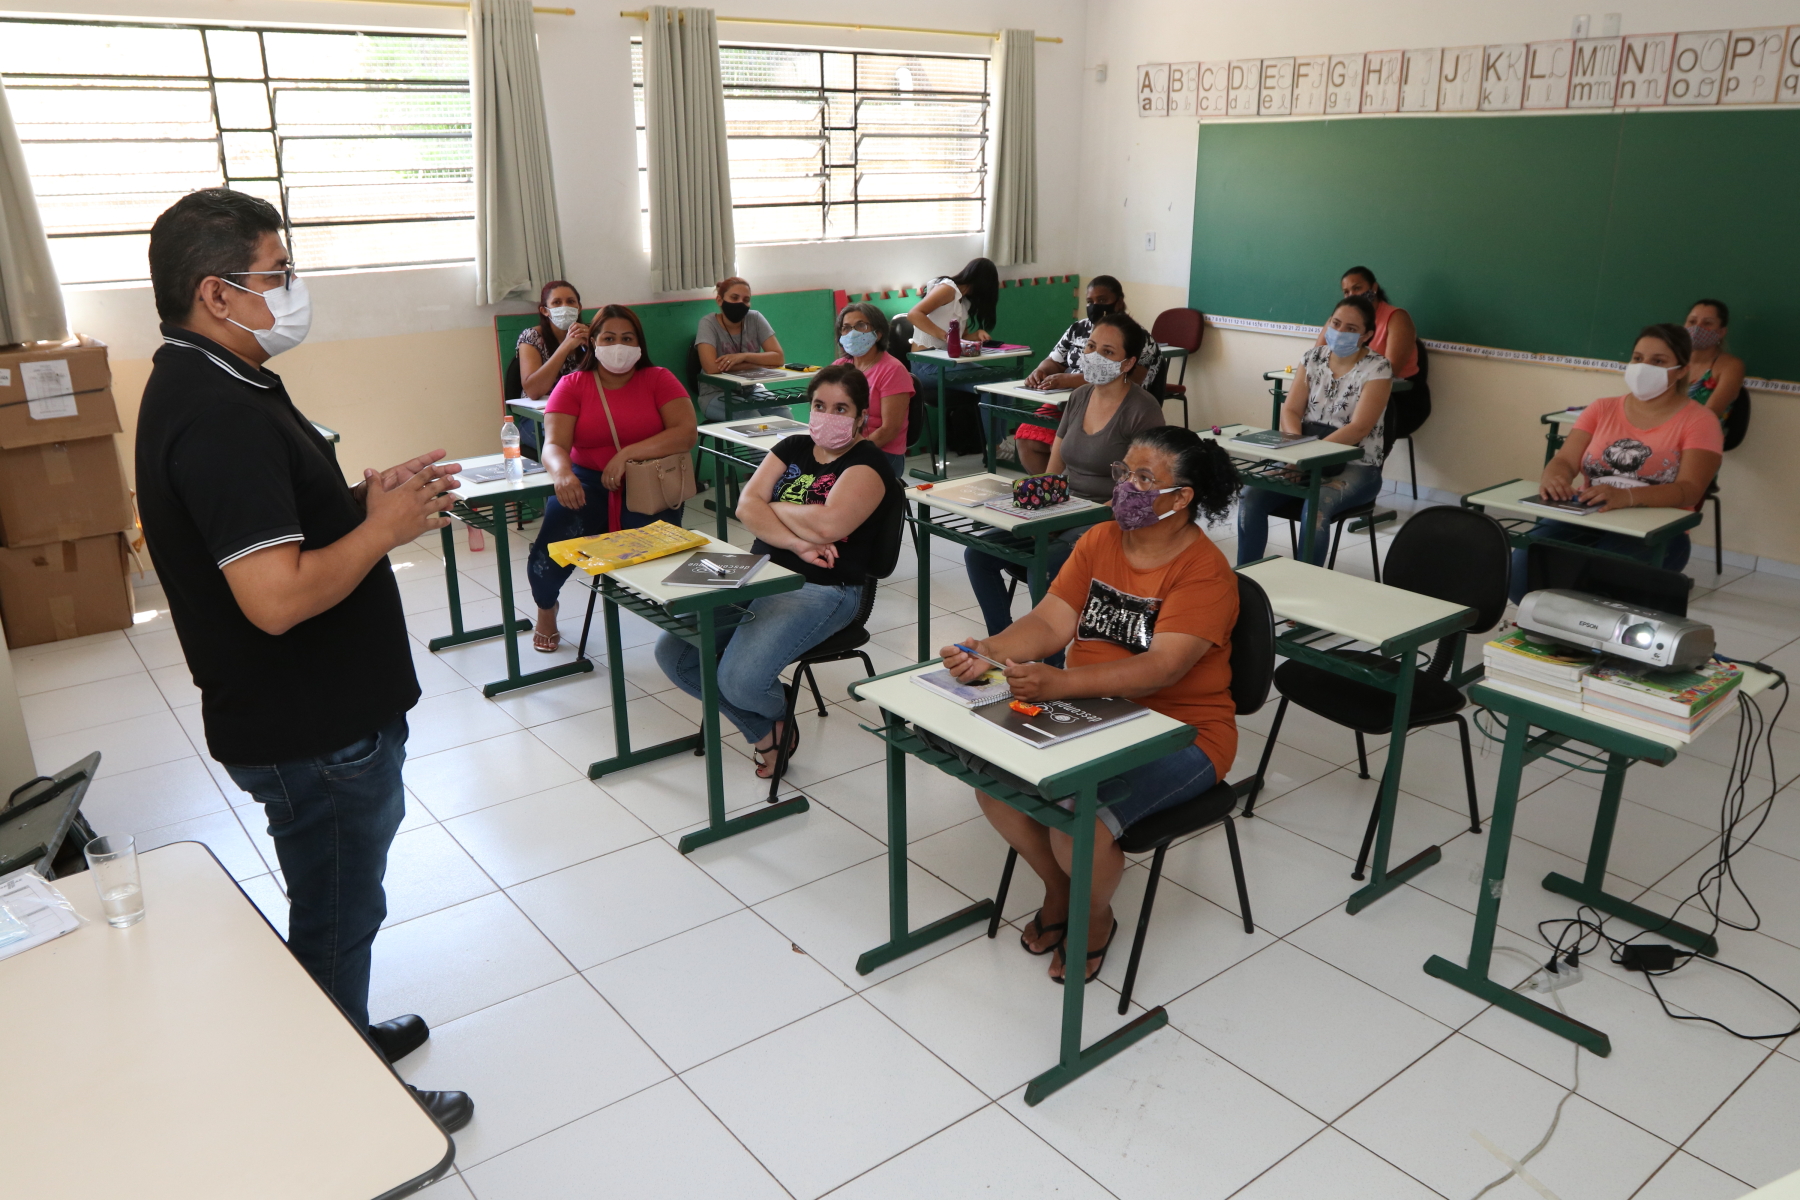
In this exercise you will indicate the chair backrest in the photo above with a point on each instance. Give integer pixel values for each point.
(1182, 327)
(691, 373)
(1252, 647)
(1737, 421)
(899, 340)
(513, 386)
(1553, 564)
(1422, 377)
(1455, 554)
(892, 515)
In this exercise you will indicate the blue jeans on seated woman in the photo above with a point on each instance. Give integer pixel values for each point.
(1357, 484)
(1675, 557)
(1158, 784)
(561, 523)
(753, 655)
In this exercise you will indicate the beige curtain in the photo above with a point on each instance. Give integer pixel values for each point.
(31, 305)
(518, 240)
(692, 242)
(1012, 224)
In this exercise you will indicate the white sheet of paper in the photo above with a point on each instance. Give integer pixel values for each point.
(48, 389)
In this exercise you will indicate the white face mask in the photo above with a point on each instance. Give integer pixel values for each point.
(1098, 369)
(292, 309)
(1647, 381)
(563, 317)
(617, 358)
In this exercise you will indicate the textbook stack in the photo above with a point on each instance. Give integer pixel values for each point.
(1682, 703)
(1538, 667)
(64, 508)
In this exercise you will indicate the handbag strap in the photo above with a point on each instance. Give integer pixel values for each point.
(606, 407)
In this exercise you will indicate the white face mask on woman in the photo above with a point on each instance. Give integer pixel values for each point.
(617, 358)
(1648, 381)
(563, 317)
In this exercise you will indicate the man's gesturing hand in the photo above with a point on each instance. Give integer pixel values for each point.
(412, 505)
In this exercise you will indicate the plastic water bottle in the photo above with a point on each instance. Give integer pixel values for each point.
(509, 446)
(953, 343)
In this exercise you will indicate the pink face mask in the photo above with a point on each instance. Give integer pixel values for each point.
(834, 431)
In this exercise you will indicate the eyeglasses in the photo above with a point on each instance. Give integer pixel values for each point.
(1143, 479)
(287, 275)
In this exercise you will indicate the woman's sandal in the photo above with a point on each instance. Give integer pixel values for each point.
(765, 766)
(545, 643)
(1091, 956)
(1025, 940)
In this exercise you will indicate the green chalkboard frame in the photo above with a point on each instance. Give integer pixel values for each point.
(1552, 234)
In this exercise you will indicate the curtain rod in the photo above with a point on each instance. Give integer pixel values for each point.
(463, 4)
(642, 15)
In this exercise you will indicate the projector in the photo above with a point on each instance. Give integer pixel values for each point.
(1642, 635)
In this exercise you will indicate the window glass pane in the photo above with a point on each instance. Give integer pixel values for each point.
(324, 247)
(57, 49)
(896, 220)
(250, 155)
(243, 105)
(48, 110)
(801, 224)
(885, 72)
(365, 56)
(111, 259)
(746, 66)
(236, 53)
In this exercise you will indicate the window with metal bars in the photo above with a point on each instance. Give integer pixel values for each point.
(831, 144)
(361, 140)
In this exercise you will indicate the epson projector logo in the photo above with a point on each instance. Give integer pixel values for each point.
(1587, 624)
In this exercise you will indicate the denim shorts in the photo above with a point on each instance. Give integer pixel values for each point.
(1158, 784)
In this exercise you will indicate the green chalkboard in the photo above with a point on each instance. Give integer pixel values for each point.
(1554, 234)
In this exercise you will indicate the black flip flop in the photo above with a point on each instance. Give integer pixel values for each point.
(1043, 929)
(1092, 955)
(791, 735)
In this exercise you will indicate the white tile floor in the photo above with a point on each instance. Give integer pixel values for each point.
(633, 1022)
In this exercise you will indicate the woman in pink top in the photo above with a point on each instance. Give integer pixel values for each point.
(653, 417)
(1651, 448)
(863, 333)
(1395, 337)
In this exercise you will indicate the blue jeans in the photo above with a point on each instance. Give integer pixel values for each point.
(1158, 784)
(1358, 484)
(1675, 557)
(897, 462)
(561, 523)
(989, 577)
(333, 817)
(753, 655)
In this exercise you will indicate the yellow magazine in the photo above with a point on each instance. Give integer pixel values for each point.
(624, 548)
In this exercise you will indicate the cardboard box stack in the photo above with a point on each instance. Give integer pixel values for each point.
(64, 507)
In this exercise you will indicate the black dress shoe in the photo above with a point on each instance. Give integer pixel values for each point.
(399, 1037)
(451, 1110)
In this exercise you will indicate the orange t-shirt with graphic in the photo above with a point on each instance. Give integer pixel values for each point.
(1119, 609)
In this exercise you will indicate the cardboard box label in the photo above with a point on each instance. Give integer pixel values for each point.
(48, 389)
(5, 376)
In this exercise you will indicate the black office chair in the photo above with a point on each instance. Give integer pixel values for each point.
(1410, 409)
(846, 643)
(1737, 424)
(1252, 663)
(1450, 553)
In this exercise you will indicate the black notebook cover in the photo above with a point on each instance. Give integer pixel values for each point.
(711, 568)
(1060, 720)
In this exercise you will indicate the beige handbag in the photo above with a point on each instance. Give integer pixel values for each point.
(652, 485)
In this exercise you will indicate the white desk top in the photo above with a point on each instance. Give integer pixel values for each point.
(1562, 416)
(901, 696)
(536, 406)
(191, 1055)
(646, 578)
(983, 514)
(1346, 604)
(1170, 350)
(942, 356)
(531, 485)
(738, 381)
(722, 431)
(1298, 456)
(1279, 373)
(1755, 683)
(1633, 522)
(1019, 391)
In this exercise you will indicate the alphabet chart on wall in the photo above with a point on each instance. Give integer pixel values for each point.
(1692, 69)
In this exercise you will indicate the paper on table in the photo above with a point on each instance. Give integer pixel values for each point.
(973, 493)
(32, 912)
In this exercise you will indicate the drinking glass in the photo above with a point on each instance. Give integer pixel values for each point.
(113, 861)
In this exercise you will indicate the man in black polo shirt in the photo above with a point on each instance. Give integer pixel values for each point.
(280, 589)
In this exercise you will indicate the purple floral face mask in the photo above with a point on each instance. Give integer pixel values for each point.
(1133, 509)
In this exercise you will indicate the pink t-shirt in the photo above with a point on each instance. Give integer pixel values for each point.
(1622, 455)
(636, 409)
(888, 377)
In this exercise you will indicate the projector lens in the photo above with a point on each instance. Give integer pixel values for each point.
(1640, 635)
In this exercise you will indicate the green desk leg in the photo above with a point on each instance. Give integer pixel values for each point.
(902, 938)
(514, 679)
(1591, 890)
(1276, 390)
(623, 755)
(1075, 1062)
(1309, 515)
(1384, 880)
(458, 636)
(1037, 575)
(924, 546)
(1474, 977)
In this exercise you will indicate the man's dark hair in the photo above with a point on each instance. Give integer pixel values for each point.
(214, 231)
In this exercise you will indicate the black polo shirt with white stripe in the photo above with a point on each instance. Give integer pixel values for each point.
(226, 466)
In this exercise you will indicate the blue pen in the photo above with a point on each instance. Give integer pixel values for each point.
(970, 650)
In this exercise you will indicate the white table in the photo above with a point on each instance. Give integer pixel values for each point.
(1017, 405)
(1653, 526)
(192, 1056)
(1073, 769)
(987, 368)
(1272, 468)
(1399, 624)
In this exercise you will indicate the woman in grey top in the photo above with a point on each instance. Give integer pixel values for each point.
(1341, 394)
(1099, 421)
(735, 336)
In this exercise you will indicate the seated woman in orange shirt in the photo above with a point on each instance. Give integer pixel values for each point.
(1149, 603)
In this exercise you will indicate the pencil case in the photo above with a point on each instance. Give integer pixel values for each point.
(1040, 491)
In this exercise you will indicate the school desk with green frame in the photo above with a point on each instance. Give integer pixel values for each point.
(732, 451)
(696, 615)
(1015, 405)
(483, 506)
(990, 367)
(1278, 381)
(1072, 770)
(1021, 540)
(529, 410)
(1555, 433)
(1398, 624)
(787, 387)
(1272, 468)
(1622, 743)
(1654, 526)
